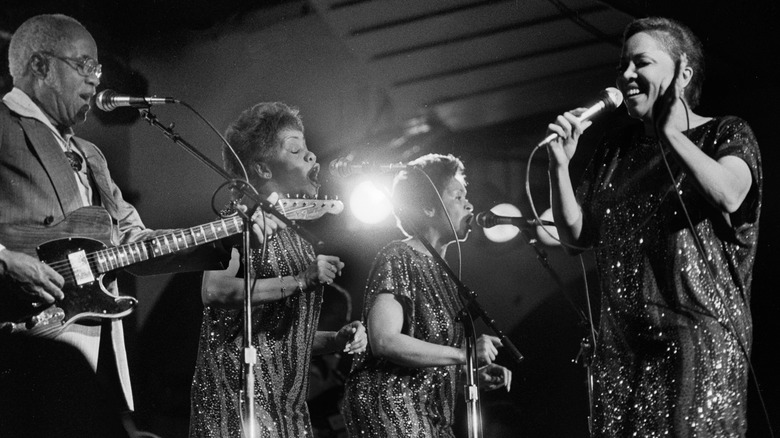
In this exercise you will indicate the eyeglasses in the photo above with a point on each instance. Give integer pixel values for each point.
(86, 67)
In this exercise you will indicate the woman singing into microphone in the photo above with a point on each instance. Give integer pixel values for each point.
(405, 383)
(286, 295)
(671, 206)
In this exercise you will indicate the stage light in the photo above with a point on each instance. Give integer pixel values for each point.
(369, 204)
(503, 233)
(547, 234)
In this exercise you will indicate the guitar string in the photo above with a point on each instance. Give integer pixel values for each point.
(62, 266)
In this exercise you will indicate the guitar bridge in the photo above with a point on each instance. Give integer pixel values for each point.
(51, 316)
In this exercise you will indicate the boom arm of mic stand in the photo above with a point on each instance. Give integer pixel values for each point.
(262, 203)
(541, 255)
(471, 307)
(470, 300)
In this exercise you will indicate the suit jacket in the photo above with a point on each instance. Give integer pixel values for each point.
(38, 188)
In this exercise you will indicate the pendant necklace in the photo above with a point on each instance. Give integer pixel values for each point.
(75, 160)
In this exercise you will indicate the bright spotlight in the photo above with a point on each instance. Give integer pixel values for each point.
(369, 204)
(548, 234)
(503, 233)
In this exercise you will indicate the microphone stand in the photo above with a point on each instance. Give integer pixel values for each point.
(250, 354)
(471, 308)
(473, 403)
(586, 347)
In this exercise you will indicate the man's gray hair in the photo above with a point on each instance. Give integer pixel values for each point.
(42, 33)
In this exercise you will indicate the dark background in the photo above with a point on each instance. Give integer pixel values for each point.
(152, 47)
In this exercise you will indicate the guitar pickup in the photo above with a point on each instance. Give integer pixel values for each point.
(82, 273)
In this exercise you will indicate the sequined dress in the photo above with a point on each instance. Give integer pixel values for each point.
(387, 400)
(671, 354)
(283, 333)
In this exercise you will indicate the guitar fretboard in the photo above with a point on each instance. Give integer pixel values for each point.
(125, 255)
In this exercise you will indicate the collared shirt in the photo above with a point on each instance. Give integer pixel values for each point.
(19, 102)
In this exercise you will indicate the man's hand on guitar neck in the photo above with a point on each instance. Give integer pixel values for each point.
(40, 282)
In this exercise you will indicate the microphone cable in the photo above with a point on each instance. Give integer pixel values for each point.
(224, 141)
(388, 195)
(729, 325)
(449, 219)
(557, 239)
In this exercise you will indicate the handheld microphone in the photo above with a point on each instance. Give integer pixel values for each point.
(609, 99)
(343, 167)
(109, 100)
(488, 219)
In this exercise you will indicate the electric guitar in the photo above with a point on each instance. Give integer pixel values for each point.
(78, 248)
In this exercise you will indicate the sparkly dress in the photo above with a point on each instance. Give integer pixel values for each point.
(283, 333)
(671, 354)
(387, 400)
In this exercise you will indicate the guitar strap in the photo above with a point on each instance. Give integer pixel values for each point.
(93, 183)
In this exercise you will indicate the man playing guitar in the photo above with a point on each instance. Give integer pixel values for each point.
(56, 185)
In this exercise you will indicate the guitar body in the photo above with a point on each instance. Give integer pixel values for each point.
(87, 301)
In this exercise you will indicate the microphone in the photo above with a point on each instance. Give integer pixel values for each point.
(609, 99)
(488, 219)
(109, 100)
(344, 167)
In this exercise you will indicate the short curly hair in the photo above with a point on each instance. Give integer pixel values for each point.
(676, 38)
(42, 33)
(412, 191)
(254, 135)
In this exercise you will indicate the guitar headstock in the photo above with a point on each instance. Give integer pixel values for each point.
(304, 209)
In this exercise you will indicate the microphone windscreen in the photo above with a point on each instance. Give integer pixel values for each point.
(339, 167)
(333, 167)
(481, 220)
(615, 97)
(103, 100)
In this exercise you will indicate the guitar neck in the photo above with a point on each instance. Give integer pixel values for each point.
(95, 223)
(124, 255)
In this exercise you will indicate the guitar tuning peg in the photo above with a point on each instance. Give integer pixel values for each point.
(336, 198)
(326, 197)
(297, 196)
(287, 195)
